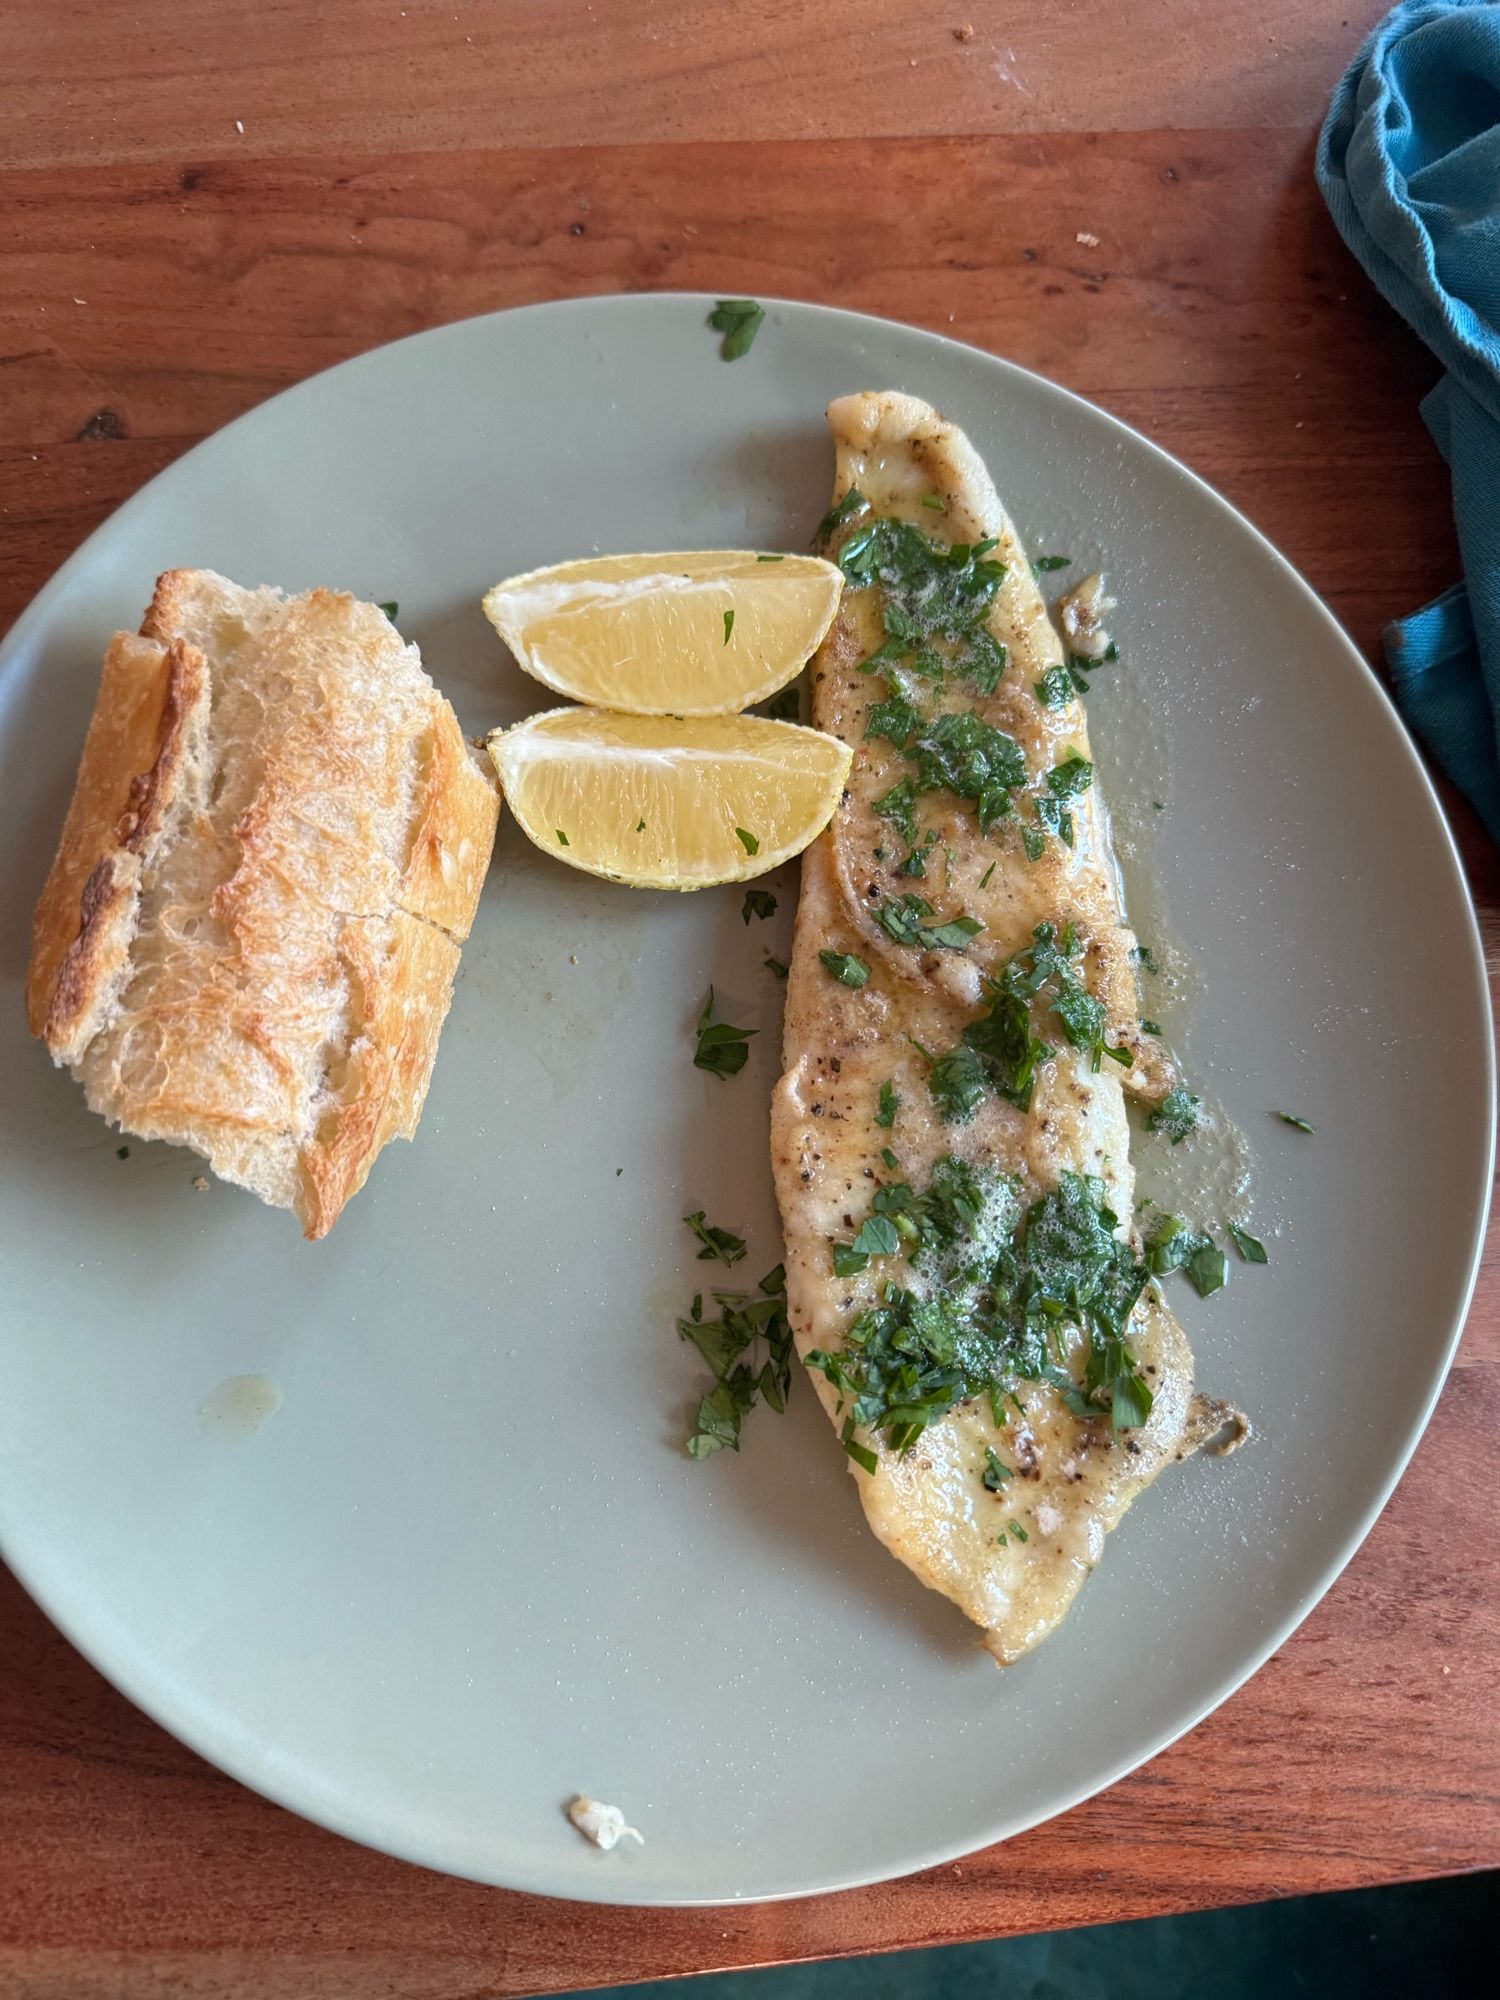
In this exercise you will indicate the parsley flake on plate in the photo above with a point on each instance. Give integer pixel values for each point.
(758, 903)
(719, 1245)
(722, 1050)
(739, 320)
(1289, 1118)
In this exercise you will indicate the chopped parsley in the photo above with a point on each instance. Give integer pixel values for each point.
(1176, 1115)
(890, 1103)
(1146, 958)
(907, 1361)
(995, 1472)
(1034, 841)
(728, 625)
(123, 1152)
(984, 880)
(1043, 565)
(935, 502)
(1251, 1249)
(640, 826)
(956, 1082)
(1055, 689)
(905, 922)
(1019, 1532)
(936, 600)
(1150, 1027)
(958, 752)
(1004, 1051)
(389, 609)
(845, 967)
(562, 838)
(890, 1158)
(1070, 779)
(749, 1349)
(1287, 1118)
(718, 1244)
(747, 840)
(849, 508)
(739, 320)
(722, 1050)
(758, 903)
(1174, 1245)
(775, 965)
(899, 806)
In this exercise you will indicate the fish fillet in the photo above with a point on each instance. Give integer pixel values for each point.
(1012, 1554)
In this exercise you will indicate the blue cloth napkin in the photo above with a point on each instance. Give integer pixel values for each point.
(1409, 164)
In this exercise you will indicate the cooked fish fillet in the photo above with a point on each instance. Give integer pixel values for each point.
(1012, 1558)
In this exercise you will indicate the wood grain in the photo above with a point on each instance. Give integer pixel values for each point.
(158, 80)
(161, 272)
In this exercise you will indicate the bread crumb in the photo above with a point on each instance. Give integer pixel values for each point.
(1087, 238)
(963, 34)
(200, 1183)
(603, 1825)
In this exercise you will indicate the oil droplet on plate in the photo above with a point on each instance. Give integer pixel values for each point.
(239, 1406)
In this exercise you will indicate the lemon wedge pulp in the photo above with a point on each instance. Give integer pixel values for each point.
(706, 632)
(661, 802)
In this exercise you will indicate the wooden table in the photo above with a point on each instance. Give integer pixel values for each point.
(206, 203)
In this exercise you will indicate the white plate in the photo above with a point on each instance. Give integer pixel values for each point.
(465, 1569)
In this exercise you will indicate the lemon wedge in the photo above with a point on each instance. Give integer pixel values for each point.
(707, 632)
(661, 802)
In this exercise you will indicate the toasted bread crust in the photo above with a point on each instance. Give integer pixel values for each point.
(248, 938)
(150, 696)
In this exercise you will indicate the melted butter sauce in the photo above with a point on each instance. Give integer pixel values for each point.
(239, 1406)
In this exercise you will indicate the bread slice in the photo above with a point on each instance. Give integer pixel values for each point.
(275, 846)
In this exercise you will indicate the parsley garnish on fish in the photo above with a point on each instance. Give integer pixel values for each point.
(1019, 1532)
(853, 504)
(770, 558)
(936, 599)
(935, 502)
(890, 1158)
(899, 806)
(996, 1472)
(1006, 1053)
(749, 1349)
(984, 880)
(1287, 1118)
(909, 1360)
(845, 967)
(890, 1103)
(721, 1244)
(1070, 779)
(722, 1049)
(739, 320)
(1250, 1247)
(897, 720)
(905, 922)
(960, 753)
(1176, 1115)
(1055, 689)
(728, 625)
(758, 903)
(956, 1081)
